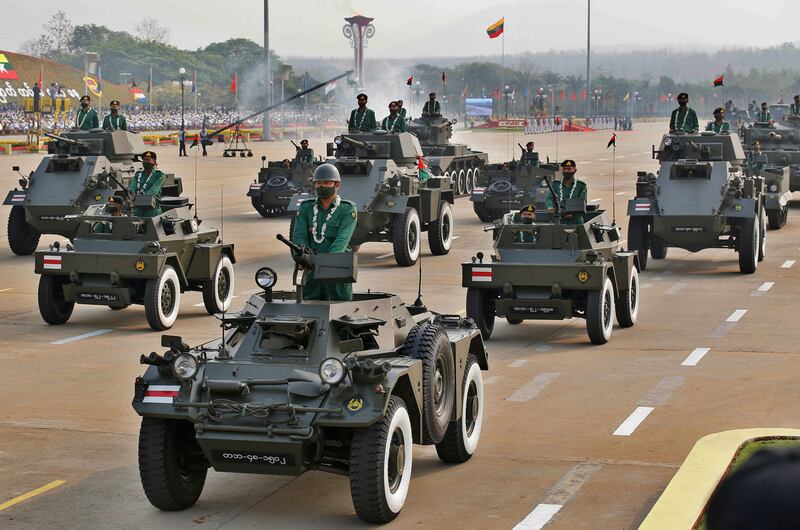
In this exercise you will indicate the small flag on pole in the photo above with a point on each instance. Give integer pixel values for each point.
(233, 83)
(613, 141)
(627, 96)
(496, 29)
(719, 81)
(444, 79)
(410, 80)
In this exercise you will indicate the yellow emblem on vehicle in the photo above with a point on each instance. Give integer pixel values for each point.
(140, 265)
(583, 276)
(98, 197)
(738, 207)
(355, 404)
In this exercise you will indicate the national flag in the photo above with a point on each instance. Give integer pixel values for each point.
(92, 86)
(719, 81)
(612, 141)
(161, 393)
(51, 262)
(138, 95)
(444, 79)
(6, 72)
(234, 82)
(627, 96)
(481, 274)
(410, 80)
(641, 205)
(330, 87)
(496, 29)
(195, 141)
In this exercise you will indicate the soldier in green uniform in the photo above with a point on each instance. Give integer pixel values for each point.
(719, 125)
(684, 118)
(525, 216)
(401, 110)
(756, 160)
(393, 122)
(764, 115)
(115, 121)
(112, 207)
(568, 188)
(530, 157)
(432, 109)
(149, 181)
(324, 225)
(794, 108)
(86, 118)
(305, 155)
(362, 119)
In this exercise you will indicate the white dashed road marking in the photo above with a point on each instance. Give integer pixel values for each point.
(621, 193)
(630, 424)
(736, 315)
(531, 390)
(81, 337)
(518, 363)
(384, 256)
(763, 288)
(787, 264)
(695, 356)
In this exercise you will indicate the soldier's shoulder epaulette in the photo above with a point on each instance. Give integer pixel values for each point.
(351, 203)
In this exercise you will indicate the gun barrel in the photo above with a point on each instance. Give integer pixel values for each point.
(70, 141)
(288, 243)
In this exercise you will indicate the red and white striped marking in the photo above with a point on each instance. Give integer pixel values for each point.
(255, 186)
(51, 262)
(161, 393)
(481, 274)
(641, 206)
(20, 197)
(478, 190)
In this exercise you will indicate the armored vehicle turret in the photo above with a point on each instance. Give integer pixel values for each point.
(701, 198)
(780, 141)
(457, 162)
(277, 182)
(345, 387)
(82, 168)
(379, 174)
(510, 186)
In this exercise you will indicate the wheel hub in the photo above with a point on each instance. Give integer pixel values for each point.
(168, 298)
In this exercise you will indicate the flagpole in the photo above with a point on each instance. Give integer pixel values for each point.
(194, 89)
(613, 182)
(150, 89)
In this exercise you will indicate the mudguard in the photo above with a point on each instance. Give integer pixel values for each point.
(205, 258)
(739, 208)
(641, 207)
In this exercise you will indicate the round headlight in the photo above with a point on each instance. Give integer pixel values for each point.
(337, 140)
(332, 371)
(668, 141)
(266, 278)
(185, 366)
(193, 224)
(774, 187)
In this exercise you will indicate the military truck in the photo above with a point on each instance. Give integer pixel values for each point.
(508, 187)
(456, 162)
(780, 141)
(272, 190)
(342, 386)
(117, 261)
(82, 168)
(701, 198)
(568, 263)
(379, 174)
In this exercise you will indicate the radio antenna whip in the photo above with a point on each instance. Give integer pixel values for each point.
(418, 301)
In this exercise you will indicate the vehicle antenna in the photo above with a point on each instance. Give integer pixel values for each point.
(613, 143)
(195, 182)
(418, 301)
(222, 351)
(222, 212)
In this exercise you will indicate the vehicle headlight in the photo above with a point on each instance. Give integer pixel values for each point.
(773, 187)
(332, 371)
(193, 224)
(668, 141)
(337, 140)
(185, 366)
(266, 278)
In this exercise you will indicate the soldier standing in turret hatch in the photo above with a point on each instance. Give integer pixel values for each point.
(764, 115)
(432, 109)
(305, 155)
(148, 181)
(794, 108)
(361, 119)
(719, 125)
(530, 157)
(115, 121)
(756, 160)
(401, 110)
(393, 122)
(86, 117)
(684, 118)
(568, 188)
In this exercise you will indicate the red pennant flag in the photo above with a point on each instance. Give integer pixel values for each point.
(557, 120)
(613, 141)
(583, 94)
(573, 96)
(233, 83)
(562, 95)
(410, 80)
(719, 81)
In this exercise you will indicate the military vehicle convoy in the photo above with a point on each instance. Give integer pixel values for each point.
(80, 171)
(701, 198)
(508, 187)
(117, 261)
(379, 174)
(780, 141)
(342, 386)
(275, 185)
(554, 270)
(457, 162)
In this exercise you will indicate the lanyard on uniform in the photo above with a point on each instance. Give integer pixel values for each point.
(141, 188)
(571, 190)
(684, 119)
(114, 126)
(363, 115)
(390, 127)
(85, 114)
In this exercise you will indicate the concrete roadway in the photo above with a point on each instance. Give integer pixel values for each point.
(575, 435)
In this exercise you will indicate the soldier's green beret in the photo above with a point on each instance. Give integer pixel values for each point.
(151, 154)
(114, 102)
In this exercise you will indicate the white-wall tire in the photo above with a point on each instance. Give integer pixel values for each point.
(218, 291)
(162, 300)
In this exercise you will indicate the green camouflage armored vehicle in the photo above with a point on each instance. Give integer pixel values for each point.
(117, 261)
(379, 174)
(456, 162)
(510, 186)
(701, 198)
(272, 190)
(79, 171)
(554, 270)
(780, 141)
(345, 387)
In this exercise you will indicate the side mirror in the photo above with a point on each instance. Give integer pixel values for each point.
(14, 168)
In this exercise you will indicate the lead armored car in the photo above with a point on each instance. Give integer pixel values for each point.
(701, 198)
(456, 162)
(551, 270)
(272, 191)
(292, 385)
(379, 174)
(82, 168)
(508, 187)
(124, 260)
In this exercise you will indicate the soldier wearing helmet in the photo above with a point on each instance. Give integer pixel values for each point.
(325, 225)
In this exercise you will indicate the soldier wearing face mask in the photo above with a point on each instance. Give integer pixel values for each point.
(115, 121)
(86, 117)
(149, 181)
(568, 188)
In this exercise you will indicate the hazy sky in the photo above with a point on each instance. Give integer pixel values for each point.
(413, 28)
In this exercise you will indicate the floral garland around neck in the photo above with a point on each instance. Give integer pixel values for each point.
(319, 239)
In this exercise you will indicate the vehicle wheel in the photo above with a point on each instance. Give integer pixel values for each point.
(440, 231)
(748, 245)
(406, 233)
(52, 306)
(513, 321)
(469, 182)
(476, 173)
(480, 210)
(599, 313)
(627, 305)
(481, 309)
(22, 237)
(775, 219)
(380, 465)
(461, 439)
(172, 467)
(452, 177)
(461, 182)
(762, 242)
(658, 251)
(218, 291)
(162, 299)
(429, 343)
(637, 239)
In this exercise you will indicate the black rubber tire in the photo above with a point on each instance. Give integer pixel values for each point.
(429, 343)
(22, 237)
(217, 296)
(637, 239)
(627, 305)
(402, 227)
(748, 244)
(481, 309)
(513, 321)
(600, 313)
(440, 231)
(52, 306)
(658, 251)
(762, 241)
(462, 436)
(367, 471)
(167, 481)
(480, 210)
(774, 219)
(152, 301)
